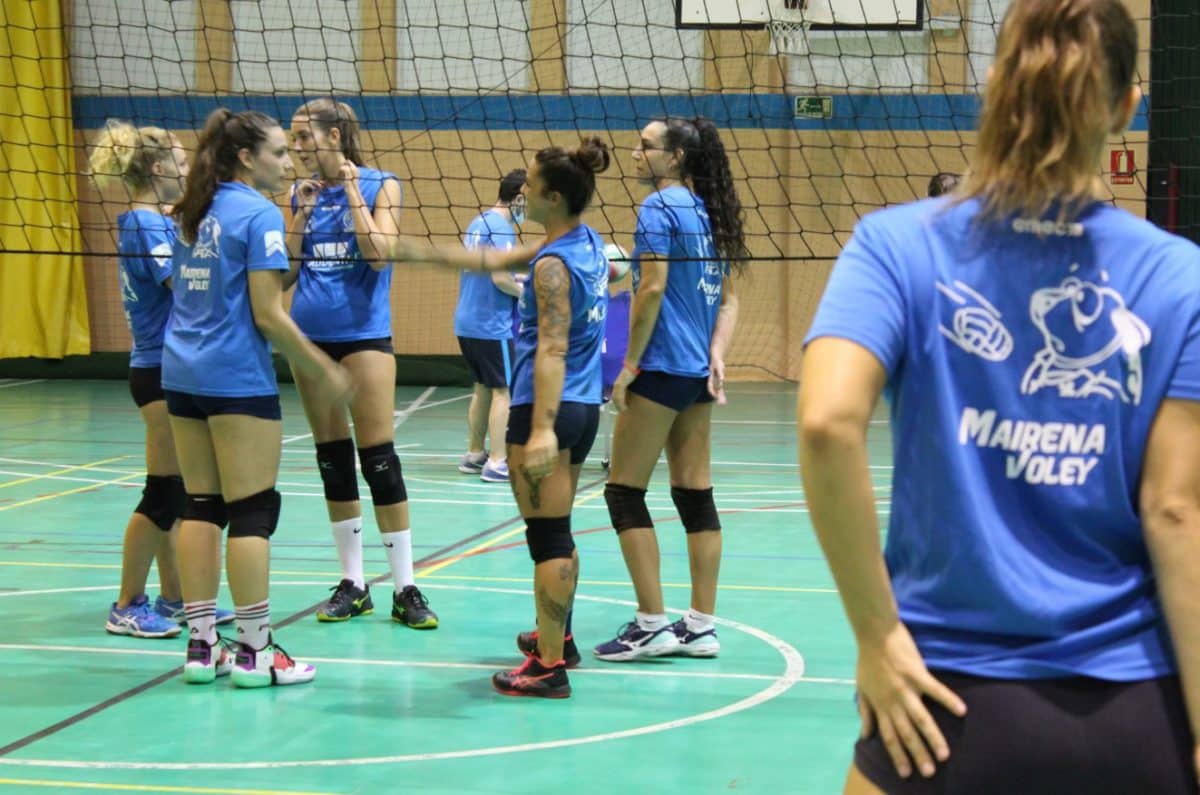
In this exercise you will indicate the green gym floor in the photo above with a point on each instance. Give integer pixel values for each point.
(394, 709)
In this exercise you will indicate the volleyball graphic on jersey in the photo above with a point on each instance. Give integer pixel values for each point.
(618, 262)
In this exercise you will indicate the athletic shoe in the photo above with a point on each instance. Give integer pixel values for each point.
(412, 608)
(534, 679)
(472, 464)
(695, 644)
(139, 620)
(348, 601)
(270, 665)
(632, 643)
(174, 611)
(205, 661)
(527, 643)
(494, 474)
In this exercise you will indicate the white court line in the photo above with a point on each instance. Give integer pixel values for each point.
(437, 403)
(22, 383)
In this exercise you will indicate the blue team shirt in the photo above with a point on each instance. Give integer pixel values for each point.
(583, 252)
(484, 310)
(673, 223)
(340, 297)
(1024, 371)
(145, 243)
(212, 346)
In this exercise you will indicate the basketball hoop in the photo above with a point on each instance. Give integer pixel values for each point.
(789, 30)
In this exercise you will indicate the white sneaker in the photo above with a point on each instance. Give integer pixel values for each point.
(206, 661)
(632, 643)
(270, 665)
(695, 644)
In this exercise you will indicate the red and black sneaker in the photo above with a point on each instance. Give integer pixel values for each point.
(527, 643)
(534, 679)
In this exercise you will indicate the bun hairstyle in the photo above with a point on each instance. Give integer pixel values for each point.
(1061, 71)
(127, 154)
(225, 134)
(328, 114)
(706, 165)
(572, 173)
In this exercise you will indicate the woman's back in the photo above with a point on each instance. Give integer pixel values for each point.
(1026, 361)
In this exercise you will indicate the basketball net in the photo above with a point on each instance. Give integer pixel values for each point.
(789, 30)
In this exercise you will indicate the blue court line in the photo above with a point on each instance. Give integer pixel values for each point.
(498, 112)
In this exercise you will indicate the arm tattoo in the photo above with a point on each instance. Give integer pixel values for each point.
(553, 287)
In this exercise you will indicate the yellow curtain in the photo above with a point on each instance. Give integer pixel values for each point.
(43, 302)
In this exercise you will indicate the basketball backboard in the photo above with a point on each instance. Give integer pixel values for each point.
(816, 14)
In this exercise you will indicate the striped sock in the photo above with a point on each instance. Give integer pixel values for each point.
(202, 620)
(254, 624)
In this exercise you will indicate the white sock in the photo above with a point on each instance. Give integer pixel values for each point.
(202, 620)
(697, 621)
(398, 546)
(652, 621)
(254, 624)
(347, 536)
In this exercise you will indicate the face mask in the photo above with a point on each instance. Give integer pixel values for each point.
(518, 214)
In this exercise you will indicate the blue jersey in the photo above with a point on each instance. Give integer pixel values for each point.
(212, 346)
(673, 223)
(484, 310)
(340, 297)
(144, 245)
(582, 251)
(1026, 361)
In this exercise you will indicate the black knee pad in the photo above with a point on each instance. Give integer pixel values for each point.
(696, 509)
(256, 515)
(381, 470)
(162, 500)
(206, 508)
(339, 470)
(549, 539)
(627, 507)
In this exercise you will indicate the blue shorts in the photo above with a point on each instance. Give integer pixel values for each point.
(676, 392)
(145, 385)
(490, 361)
(575, 427)
(201, 407)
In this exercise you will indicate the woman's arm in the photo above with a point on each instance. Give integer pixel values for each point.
(306, 192)
(484, 258)
(552, 285)
(375, 230)
(643, 316)
(1169, 503)
(722, 334)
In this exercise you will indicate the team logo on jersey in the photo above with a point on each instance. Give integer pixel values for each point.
(975, 325)
(273, 243)
(162, 255)
(208, 236)
(347, 221)
(1092, 343)
(128, 295)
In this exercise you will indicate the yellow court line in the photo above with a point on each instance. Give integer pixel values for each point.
(625, 584)
(68, 492)
(29, 782)
(63, 471)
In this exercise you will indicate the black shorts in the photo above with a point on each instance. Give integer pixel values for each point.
(201, 407)
(490, 361)
(575, 427)
(1050, 737)
(145, 384)
(676, 392)
(340, 350)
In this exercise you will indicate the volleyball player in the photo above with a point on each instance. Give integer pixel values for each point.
(343, 221)
(150, 163)
(1033, 625)
(483, 323)
(221, 391)
(689, 240)
(556, 390)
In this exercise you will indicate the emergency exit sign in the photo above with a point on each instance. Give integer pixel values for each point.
(813, 107)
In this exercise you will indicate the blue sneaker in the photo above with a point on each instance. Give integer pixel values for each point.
(632, 643)
(174, 611)
(140, 620)
(695, 644)
(494, 474)
(472, 464)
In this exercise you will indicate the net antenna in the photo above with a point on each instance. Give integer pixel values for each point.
(788, 26)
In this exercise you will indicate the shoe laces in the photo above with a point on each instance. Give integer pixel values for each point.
(628, 629)
(279, 652)
(412, 594)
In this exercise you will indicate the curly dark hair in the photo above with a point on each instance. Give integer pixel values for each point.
(707, 166)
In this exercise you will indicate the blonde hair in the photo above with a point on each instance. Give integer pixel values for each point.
(1062, 68)
(127, 154)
